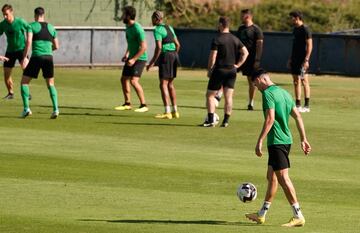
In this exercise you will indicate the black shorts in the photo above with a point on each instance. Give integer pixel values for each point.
(135, 70)
(296, 65)
(279, 156)
(168, 65)
(45, 63)
(248, 67)
(225, 77)
(13, 56)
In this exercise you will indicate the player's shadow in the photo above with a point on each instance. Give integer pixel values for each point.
(147, 124)
(180, 222)
(73, 107)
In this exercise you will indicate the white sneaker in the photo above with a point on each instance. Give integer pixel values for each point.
(26, 113)
(305, 109)
(9, 96)
(300, 109)
(55, 114)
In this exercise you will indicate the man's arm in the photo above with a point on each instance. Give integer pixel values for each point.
(177, 44)
(2, 58)
(305, 145)
(259, 50)
(268, 123)
(55, 44)
(28, 44)
(309, 47)
(157, 52)
(211, 62)
(142, 49)
(243, 55)
(126, 56)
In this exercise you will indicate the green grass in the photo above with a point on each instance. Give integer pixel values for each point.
(98, 170)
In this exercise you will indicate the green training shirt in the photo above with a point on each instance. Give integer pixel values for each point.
(281, 101)
(15, 33)
(135, 34)
(160, 33)
(43, 45)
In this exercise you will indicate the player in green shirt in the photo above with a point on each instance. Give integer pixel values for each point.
(42, 39)
(166, 54)
(15, 29)
(278, 106)
(135, 60)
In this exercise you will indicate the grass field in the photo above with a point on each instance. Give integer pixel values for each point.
(98, 170)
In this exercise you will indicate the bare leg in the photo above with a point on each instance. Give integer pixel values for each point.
(297, 87)
(125, 84)
(138, 88)
(172, 92)
(210, 103)
(8, 80)
(287, 185)
(252, 90)
(228, 94)
(272, 185)
(165, 91)
(306, 84)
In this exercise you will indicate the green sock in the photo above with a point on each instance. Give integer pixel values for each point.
(25, 92)
(54, 99)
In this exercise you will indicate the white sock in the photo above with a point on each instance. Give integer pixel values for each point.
(264, 209)
(167, 109)
(296, 210)
(251, 102)
(175, 108)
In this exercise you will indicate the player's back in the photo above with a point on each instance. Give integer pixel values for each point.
(228, 47)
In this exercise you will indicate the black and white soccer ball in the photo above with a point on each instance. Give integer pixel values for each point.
(246, 192)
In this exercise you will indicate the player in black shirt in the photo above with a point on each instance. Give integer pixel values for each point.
(252, 37)
(299, 60)
(226, 55)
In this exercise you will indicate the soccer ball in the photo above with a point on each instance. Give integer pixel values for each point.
(247, 192)
(216, 118)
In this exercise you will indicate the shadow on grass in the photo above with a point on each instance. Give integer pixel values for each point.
(147, 124)
(184, 222)
(73, 107)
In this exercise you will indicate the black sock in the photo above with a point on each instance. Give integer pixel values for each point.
(226, 118)
(307, 102)
(142, 105)
(211, 117)
(127, 103)
(298, 103)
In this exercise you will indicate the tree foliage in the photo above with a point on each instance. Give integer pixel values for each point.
(271, 15)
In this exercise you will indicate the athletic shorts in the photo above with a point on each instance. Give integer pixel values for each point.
(13, 56)
(135, 70)
(279, 156)
(45, 63)
(296, 65)
(248, 67)
(168, 65)
(225, 77)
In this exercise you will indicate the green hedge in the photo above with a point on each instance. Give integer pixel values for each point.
(271, 15)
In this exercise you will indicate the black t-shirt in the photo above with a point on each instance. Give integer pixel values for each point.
(248, 36)
(301, 34)
(228, 47)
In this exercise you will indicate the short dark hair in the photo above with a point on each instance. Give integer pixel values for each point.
(246, 11)
(224, 21)
(129, 11)
(6, 7)
(39, 11)
(296, 14)
(257, 73)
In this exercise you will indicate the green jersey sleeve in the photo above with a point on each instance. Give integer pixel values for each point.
(52, 30)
